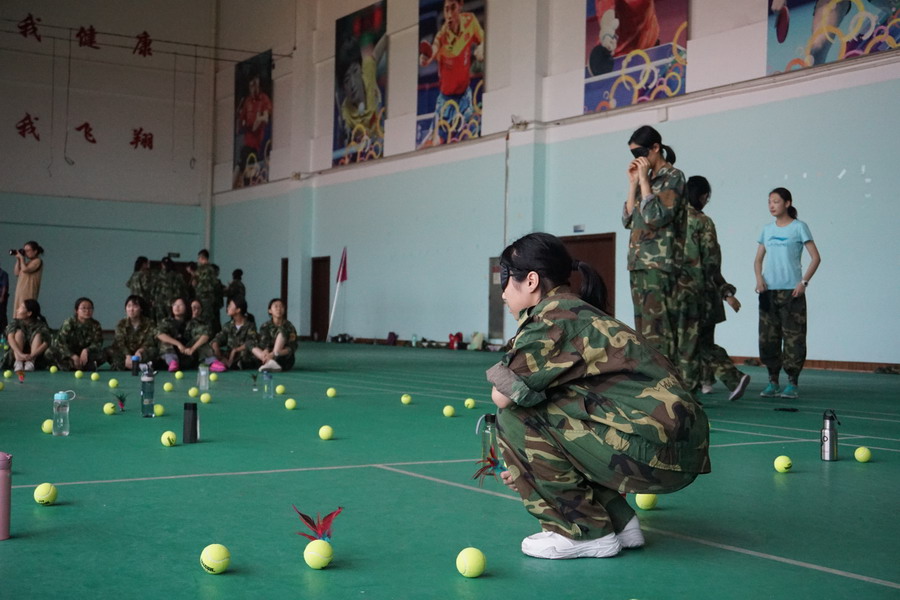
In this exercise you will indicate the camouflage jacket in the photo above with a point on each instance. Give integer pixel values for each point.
(595, 368)
(702, 266)
(231, 337)
(207, 282)
(168, 286)
(73, 337)
(128, 339)
(235, 289)
(269, 330)
(142, 283)
(658, 225)
(30, 329)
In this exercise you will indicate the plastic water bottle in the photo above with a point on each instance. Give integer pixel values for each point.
(61, 412)
(203, 378)
(135, 365)
(829, 435)
(5, 493)
(268, 384)
(489, 438)
(147, 390)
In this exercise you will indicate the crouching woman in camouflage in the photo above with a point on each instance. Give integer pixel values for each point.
(587, 409)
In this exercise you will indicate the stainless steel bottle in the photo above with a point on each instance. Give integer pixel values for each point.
(829, 435)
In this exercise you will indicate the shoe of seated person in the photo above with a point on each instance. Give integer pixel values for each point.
(631, 536)
(270, 365)
(790, 391)
(217, 366)
(18, 366)
(737, 392)
(173, 366)
(706, 388)
(771, 390)
(549, 544)
(28, 366)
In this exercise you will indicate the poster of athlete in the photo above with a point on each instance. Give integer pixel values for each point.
(252, 120)
(635, 51)
(451, 71)
(360, 85)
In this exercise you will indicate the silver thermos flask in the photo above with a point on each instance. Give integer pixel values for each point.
(829, 435)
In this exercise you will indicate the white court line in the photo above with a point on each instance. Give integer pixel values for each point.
(445, 482)
(782, 437)
(817, 410)
(813, 431)
(771, 442)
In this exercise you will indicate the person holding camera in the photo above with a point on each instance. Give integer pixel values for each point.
(29, 269)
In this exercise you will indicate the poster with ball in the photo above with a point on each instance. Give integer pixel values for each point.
(360, 85)
(635, 51)
(252, 120)
(451, 71)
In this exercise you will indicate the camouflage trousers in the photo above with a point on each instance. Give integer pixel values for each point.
(655, 309)
(782, 333)
(714, 360)
(59, 356)
(115, 356)
(687, 337)
(569, 477)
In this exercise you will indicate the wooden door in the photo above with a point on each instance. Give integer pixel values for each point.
(599, 251)
(320, 294)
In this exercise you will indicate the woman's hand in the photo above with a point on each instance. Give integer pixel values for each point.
(799, 290)
(508, 481)
(501, 400)
(761, 286)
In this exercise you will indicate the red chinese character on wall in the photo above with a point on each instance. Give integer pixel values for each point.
(87, 37)
(88, 132)
(141, 138)
(26, 127)
(28, 26)
(143, 45)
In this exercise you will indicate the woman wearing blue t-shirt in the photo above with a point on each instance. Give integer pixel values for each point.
(782, 293)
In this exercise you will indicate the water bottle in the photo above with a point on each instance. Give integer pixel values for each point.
(191, 424)
(135, 365)
(491, 462)
(203, 378)
(147, 389)
(5, 493)
(829, 435)
(268, 384)
(61, 412)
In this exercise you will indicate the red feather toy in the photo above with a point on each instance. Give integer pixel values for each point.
(321, 527)
(489, 466)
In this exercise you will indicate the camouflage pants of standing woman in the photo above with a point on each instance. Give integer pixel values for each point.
(782, 333)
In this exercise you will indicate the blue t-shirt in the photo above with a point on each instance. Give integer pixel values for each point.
(784, 248)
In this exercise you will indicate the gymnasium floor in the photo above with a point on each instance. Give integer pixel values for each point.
(133, 516)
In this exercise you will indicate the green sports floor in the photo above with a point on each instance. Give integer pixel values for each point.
(133, 516)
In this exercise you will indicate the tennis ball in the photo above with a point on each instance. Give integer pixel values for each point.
(159, 410)
(54, 369)
(179, 375)
(213, 376)
(206, 398)
(405, 398)
(168, 386)
(47, 426)
(645, 501)
(215, 558)
(325, 432)
(193, 392)
(331, 392)
(8, 374)
(783, 464)
(95, 376)
(318, 554)
(470, 403)
(109, 408)
(169, 438)
(449, 411)
(471, 562)
(862, 454)
(113, 383)
(45, 494)
(280, 389)
(290, 404)
(78, 374)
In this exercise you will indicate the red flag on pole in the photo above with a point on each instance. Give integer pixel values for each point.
(342, 269)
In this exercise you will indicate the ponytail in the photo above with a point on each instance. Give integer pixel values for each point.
(668, 154)
(593, 288)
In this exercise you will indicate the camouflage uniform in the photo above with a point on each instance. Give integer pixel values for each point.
(142, 283)
(72, 338)
(266, 340)
(655, 252)
(689, 293)
(207, 291)
(29, 330)
(782, 318)
(128, 340)
(235, 289)
(232, 337)
(597, 412)
(169, 285)
(187, 332)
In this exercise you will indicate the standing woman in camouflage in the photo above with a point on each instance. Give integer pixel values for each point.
(78, 343)
(141, 282)
(656, 215)
(587, 409)
(782, 293)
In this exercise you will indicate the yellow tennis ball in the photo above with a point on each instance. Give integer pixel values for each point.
(215, 558)
(206, 398)
(47, 426)
(471, 562)
(45, 494)
(168, 386)
(78, 374)
(109, 408)
(113, 383)
(318, 553)
(783, 464)
(862, 454)
(280, 389)
(95, 376)
(193, 392)
(405, 398)
(169, 438)
(326, 432)
(331, 392)
(159, 410)
(290, 404)
(7, 374)
(179, 375)
(54, 369)
(645, 501)
(449, 411)
(213, 376)
(470, 403)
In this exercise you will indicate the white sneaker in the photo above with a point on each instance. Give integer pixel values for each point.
(548, 544)
(707, 388)
(740, 389)
(19, 366)
(270, 365)
(29, 366)
(631, 536)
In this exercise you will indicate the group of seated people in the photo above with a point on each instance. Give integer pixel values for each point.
(180, 341)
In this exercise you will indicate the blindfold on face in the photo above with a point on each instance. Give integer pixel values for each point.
(640, 152)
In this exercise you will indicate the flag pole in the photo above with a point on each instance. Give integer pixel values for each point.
(341, 277)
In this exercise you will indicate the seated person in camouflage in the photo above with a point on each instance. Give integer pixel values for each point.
(28, 336)
(588, 409)
(232, 346)
(277, 340)
(135, 336)
(78, 345)
(183, 341)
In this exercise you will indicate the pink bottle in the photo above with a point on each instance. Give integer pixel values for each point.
(5, 488)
